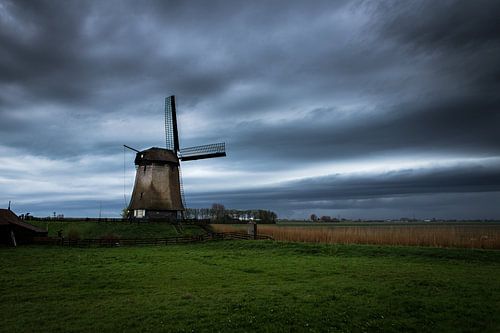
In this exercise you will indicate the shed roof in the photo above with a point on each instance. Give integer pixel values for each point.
(8, 217)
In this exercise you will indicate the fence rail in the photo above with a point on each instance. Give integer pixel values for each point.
(143, 220)
(114, 242)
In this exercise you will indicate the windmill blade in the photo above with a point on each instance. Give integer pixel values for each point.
(171, 134)
(201, 152)
(131, 148)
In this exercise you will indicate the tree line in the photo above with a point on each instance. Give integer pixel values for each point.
(219, 214)
(324, 218)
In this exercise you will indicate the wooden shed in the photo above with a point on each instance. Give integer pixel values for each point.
(14, 231)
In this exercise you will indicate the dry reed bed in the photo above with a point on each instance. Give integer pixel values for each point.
(467, 236)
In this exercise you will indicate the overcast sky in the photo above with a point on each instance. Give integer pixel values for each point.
(358, 109)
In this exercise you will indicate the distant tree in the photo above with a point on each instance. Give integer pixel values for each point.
(194, 213)
(190, 213)
(205, 213)
(218, 212)
(314, 217)
(266, 216)
(124, 213)
(326, 218)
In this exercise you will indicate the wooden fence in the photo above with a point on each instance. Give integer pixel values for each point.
(108, 242)
(143, 220)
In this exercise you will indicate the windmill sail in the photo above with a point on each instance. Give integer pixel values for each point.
(201, 152)
(171, 133)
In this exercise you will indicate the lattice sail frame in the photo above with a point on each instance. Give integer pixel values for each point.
(171, 132)
(204, 151)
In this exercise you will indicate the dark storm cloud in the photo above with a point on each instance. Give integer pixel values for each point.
(72, 54)
(470, 178)
(460, 126)
(40, 49)
(444, 24)
(460, 36)
(452, 109)
(415, 187)
(286, 84)
(68, 51)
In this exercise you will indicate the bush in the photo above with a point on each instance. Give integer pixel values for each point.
(110, 237)
(73, 234)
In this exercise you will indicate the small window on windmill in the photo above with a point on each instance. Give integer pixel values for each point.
(139, 213)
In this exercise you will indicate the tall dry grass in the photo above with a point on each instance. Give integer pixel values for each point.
(467, 236)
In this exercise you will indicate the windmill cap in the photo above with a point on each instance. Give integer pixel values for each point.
(156, 155)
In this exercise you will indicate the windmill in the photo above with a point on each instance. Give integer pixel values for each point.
(158, 191)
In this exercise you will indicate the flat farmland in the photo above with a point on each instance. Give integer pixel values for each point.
(249, 286)
(453, 235)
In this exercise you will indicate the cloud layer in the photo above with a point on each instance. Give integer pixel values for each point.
(344, 107)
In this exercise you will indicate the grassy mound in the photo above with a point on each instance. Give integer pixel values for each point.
(119, 229)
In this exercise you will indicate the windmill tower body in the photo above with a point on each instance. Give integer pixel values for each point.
(157, 190)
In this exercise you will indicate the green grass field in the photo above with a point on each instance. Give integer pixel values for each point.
(243, 286)
(120, 229)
